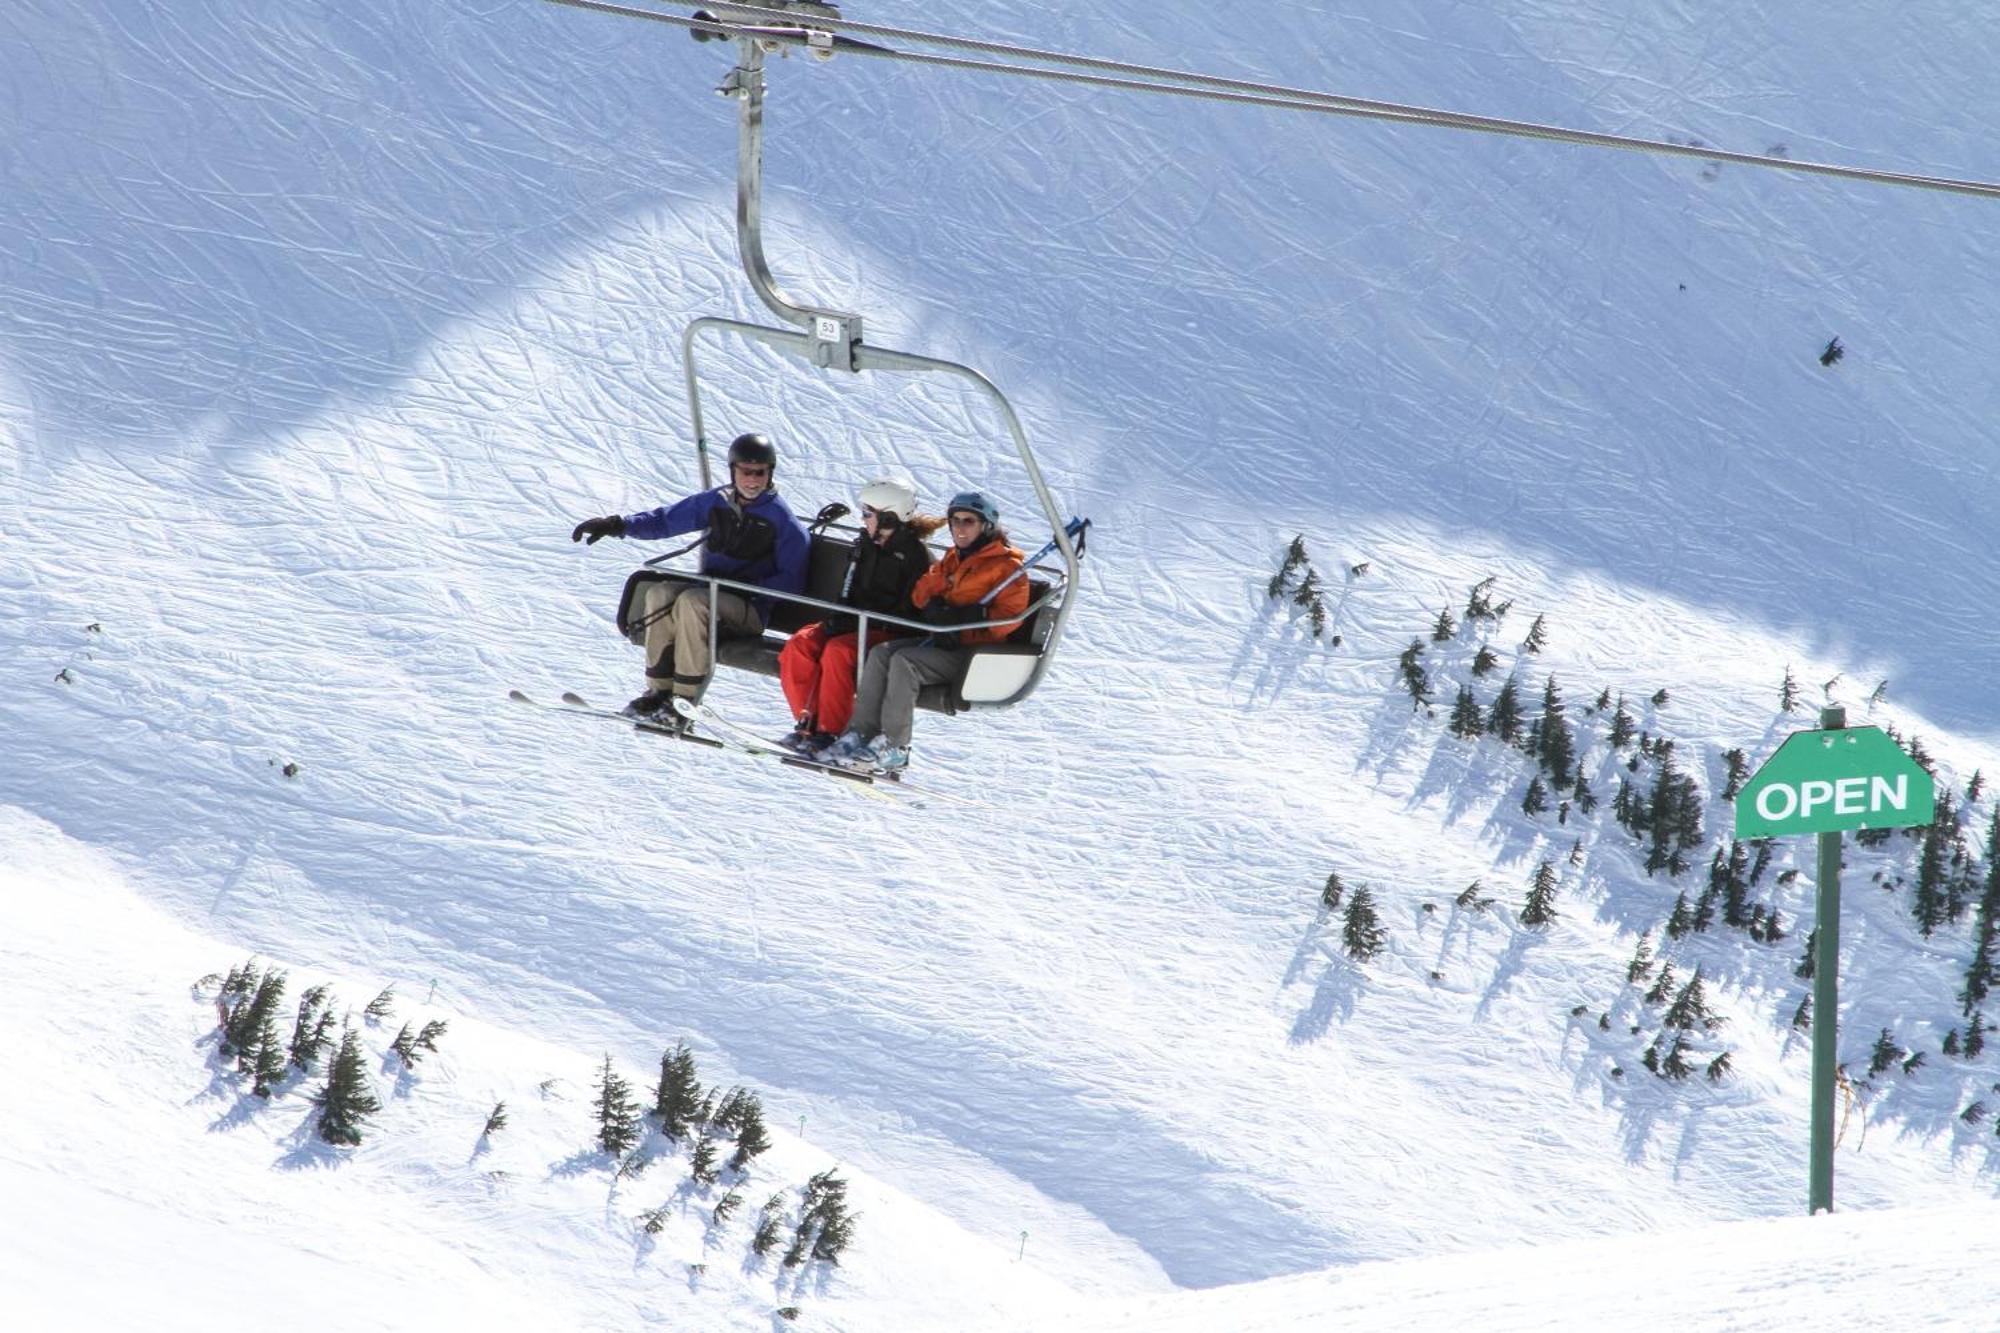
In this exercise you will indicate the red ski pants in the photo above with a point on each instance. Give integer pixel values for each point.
(817, 671)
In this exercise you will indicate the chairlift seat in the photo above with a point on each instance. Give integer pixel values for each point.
(995, 672)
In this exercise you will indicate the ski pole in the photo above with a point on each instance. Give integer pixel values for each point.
(1076, 528)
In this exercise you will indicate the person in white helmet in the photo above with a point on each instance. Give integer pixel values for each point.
(816, 667)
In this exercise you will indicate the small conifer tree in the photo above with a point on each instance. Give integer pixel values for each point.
(770, 1224)
(1681, 920)
(405, 1046)
(1663, 985)
(1415, 679)
(1540, 908)
(1538, 636)
(726, 1205)
(1886, 1053)
(1536, 799)
(1674, 1064)
(1444, 629)
(495, 1121)
(1504, 719)
(1788, 693)
(1641, 965)
(1737, 773)
(347, 1100)
(1623, 727)
(701, 1163)
(311, 1030)
(1329, 897)
(382, 1006)
(1362, 932)
(751, 1137)
(1479, 602)
(677, 1100)
(1718, 1068)
(1484, 661)
(617, 1113)
(1466, 721)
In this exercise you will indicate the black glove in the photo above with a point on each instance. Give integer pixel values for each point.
(937, 611)
(592, 530)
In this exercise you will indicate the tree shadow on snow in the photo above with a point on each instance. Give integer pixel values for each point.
(1340, 989)
(1505, 969)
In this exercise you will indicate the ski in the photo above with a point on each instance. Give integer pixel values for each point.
(740, 736)
(576, 705)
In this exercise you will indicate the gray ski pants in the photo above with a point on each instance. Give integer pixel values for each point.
(886, 703)
(675, 616)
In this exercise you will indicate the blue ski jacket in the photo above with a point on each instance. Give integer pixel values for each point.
(762, 542)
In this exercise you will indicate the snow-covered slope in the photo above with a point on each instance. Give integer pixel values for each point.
(321, 325)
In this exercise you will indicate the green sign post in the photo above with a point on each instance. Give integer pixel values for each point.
(1826, 782)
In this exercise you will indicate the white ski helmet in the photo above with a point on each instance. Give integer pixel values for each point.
(893, 493)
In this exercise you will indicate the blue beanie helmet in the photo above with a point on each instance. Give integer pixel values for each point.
(974, 502)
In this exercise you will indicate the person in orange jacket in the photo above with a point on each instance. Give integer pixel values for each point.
(948, 596)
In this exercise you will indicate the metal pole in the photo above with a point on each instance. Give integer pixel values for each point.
(1826, 1004)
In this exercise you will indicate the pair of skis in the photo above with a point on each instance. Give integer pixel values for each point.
(710, 729)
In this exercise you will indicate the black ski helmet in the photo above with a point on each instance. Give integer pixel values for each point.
(755, 449)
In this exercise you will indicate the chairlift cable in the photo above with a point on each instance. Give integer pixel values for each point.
(1242, 92)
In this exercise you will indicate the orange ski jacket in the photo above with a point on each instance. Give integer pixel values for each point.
(963, 581)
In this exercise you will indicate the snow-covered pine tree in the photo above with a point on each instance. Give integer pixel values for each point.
(730, 1108)
(1950, 1043)
(1471, 897)
(1735, 885)
(1736, 772)
(826, 1217)
(496, 1120)
(258, 1032)
(1466, 721)
(1642, 960)
(770, 1223)
(1663, 985)
(1674, 1064)
(405, 1047)
(1540, 907)
(1330, 895)
(1479, 602)
(1444, 629)
(1538, 636)
(1975, 1035)
(1295, 556)
(1681, 920)
(1802, 1016)
(1788, 693)
(311, 1028)
(701, 1162)
(1886, 1053)
(1928, 904)
(1974, 787)
(348, 1100)
(1536, 799)
(1586, 799)
(617, 1113)
(1557, 750)
(1484, 661)
(1690, 1007)
(751, 1136)
(1504, 718)
(677, 1100)
(1804, 970)
(268, 1063)
(1361, 931)
(1623, 727)
(382, 1006)
(1415, 679)
(1718, 1068)
(724, 1206)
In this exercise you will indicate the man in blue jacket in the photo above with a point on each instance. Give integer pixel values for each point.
(752, 537)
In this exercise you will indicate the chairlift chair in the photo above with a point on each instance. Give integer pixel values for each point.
(997, 675)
